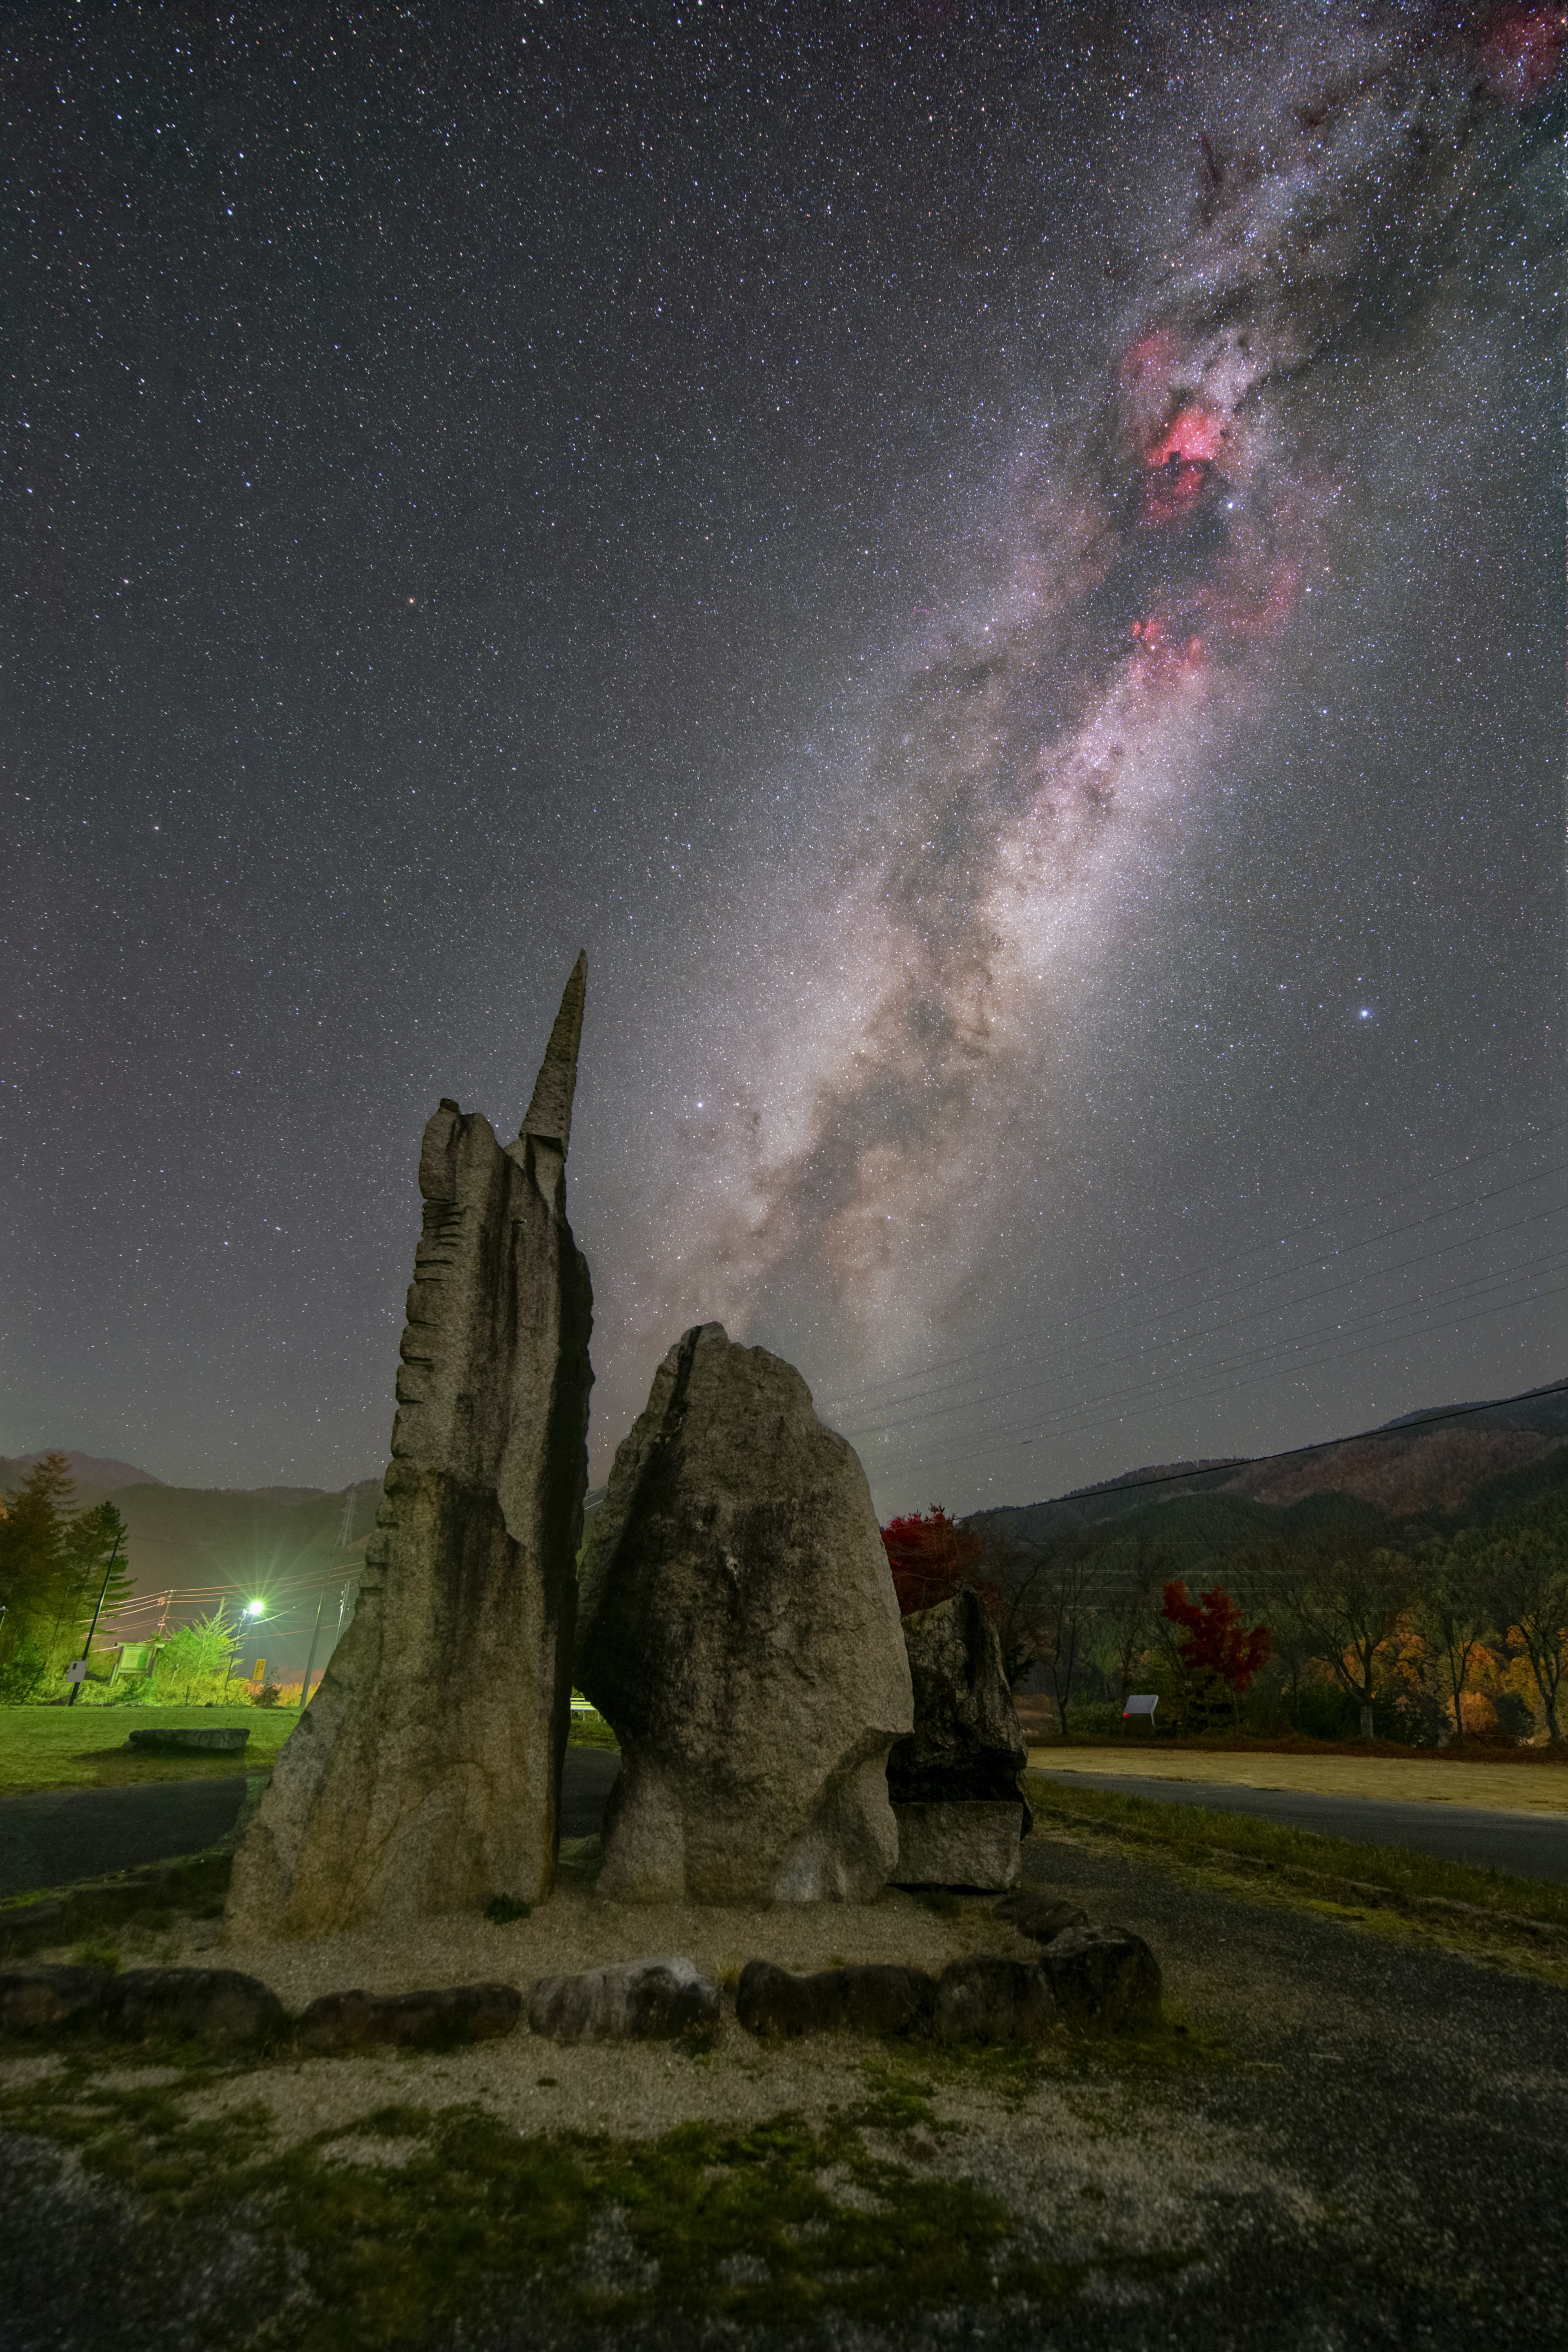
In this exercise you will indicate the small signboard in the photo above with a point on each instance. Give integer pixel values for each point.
(258, 1671)
(1141, 1703)
(77, 1671)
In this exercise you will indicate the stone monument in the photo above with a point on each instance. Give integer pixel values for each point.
(425, 1775)
(954, 1780)
(738, 1631)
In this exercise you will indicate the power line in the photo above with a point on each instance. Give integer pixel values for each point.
(858, 1396)
(1062, 1424)
(1305, 1298)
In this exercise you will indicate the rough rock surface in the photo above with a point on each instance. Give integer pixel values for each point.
(986, 1999)
(1101, 1976)
(867, 1998)
(217, 2005)
(1038, 1914)
(740, 1633)
(35, 2001)
(966, 1742)
(436, 2020)
(637, 2000)
(174, 1741)
(967, 1844)
(425, 1772)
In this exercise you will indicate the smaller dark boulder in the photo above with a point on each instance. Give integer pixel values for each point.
(775, 2003)
(879, 1998)
(1037, 1913)
(986, 1999)
(1102, 1976)
(436, 2020)
(966, 1745)
(35, 2001)
(217, 2005)
(220, 1739)
(872, 1999)
(634, 2000)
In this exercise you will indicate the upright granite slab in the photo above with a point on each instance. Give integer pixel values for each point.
(740, 1633)
(954, 1780)
(425, 1775)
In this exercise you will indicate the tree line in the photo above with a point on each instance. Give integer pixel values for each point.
(1326, 1626)
(53, 1562)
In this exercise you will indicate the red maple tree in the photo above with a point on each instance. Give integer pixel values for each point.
(931, 1556)
(1213, 1639)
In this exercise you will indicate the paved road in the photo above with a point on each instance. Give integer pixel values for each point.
(1535, 1845)
(53, 1837)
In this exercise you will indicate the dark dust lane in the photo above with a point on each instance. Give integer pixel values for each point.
(1533, 1845)
(54, 1837)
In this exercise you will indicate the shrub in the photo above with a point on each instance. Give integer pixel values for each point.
(23, 1674)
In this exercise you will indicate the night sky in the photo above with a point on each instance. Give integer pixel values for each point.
(1001, 571)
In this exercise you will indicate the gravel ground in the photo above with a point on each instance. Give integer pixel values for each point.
(1379, 2161)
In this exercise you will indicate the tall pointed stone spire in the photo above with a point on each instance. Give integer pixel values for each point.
(425, 1776)
(550, 1109)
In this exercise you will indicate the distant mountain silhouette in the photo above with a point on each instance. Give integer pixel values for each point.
(87, 1469)
(1447, 1466)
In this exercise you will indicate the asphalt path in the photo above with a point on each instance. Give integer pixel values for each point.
(55, 1837)
(1532, 1845)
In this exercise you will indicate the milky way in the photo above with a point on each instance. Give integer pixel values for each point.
(1000, 570)
(1048, 732)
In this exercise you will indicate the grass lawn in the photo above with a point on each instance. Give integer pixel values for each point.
(1438, 1778)
(84, 1747)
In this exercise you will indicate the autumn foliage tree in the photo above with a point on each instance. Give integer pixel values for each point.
(929, 1556)
(1216, 1650)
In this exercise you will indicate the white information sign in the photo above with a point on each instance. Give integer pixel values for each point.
(77, 1671)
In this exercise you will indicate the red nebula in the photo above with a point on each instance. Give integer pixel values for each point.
(1523, 51)
(1159, 652)
(1194, 434)
(1180, 463)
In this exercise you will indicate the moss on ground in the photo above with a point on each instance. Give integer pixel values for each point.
(92, 1913)
(770, 2225)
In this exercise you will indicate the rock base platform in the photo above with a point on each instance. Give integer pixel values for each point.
(970, 1844)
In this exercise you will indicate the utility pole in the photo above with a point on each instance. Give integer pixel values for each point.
(305, 1685)
(109, 1571)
